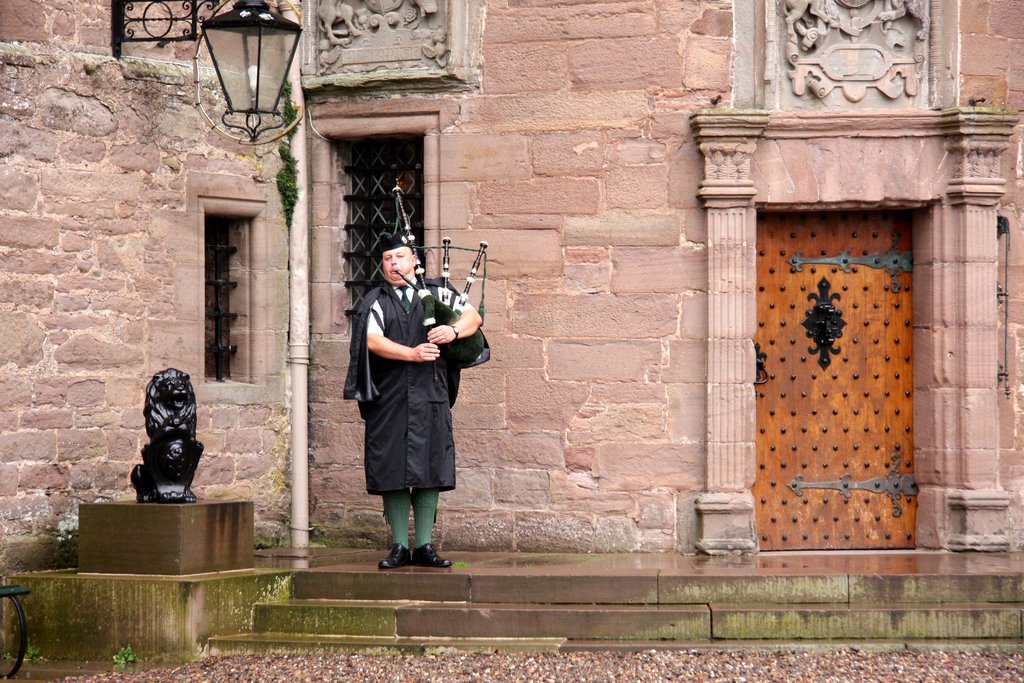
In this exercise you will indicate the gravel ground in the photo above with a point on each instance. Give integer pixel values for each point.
(655, 665)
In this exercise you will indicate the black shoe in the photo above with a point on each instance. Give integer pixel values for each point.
(398, 557)
(426, 556)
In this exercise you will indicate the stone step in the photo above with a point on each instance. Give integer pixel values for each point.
(415, 619)
(328, 617)
(305, 644)
(654, 587)
(503, 620)
(877, 621)
(409, 619)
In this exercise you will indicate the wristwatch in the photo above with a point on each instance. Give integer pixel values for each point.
(455, 330)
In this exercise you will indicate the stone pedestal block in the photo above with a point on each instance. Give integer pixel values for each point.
(135, 538)
(978, 520)
(726, 524)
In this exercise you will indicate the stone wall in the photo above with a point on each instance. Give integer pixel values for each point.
(104, 169)
(573, 160)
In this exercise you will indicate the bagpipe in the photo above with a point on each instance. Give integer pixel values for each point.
(463, 352)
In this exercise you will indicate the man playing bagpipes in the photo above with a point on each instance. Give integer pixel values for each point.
(400, 373)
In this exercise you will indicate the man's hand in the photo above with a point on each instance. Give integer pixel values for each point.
(442, 334)
(425, 353)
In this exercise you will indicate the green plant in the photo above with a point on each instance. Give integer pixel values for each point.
(33, 654)
(288, 176)
(125, 656)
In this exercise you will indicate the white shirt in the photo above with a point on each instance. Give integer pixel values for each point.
(375, 324)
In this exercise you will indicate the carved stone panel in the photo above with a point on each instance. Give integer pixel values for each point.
(360, 36)
(864, 53)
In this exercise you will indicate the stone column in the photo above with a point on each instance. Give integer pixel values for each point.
(965, 267)
(726, 509)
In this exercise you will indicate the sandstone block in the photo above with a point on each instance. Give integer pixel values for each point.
(521, 488)
(980, 419)
(569, 154)
(30, 143)
(21, 20)
(90, 184)
(18, 190)
(85, 352)
(547, 532)
(664, 269)
(637, 187)
(602, 316)
(575, 491)
(713, 22)
(478, 416)
(625, 63)
(554, 112)
(513, 254)
(15, 391)
(627, 422)
(1006, 19)
(687, 412)
(605, 361)
(27, 293)
(651, 391)
(588, 278)
(484, 531)
(25, 232)
(524, 67)
(32, 446)
(526, 23)
(695, 316)
(687, 361)
(537, 403)
(484, 157)
(64, 110)
(135, 157)
(983, 55)
(81, 444)
(706, 65)
(503, 448)
(640, 152)
(540, 196)
(473, 490)
(616, 535)
(48, 477)
(646, 467)
(46, 418)
(622, 228)
(21, 338)
(8, 481)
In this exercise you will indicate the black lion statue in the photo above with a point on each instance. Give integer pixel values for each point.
(170, 458)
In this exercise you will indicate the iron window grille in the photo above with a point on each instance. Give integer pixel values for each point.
(156, 21)
(219, 316)
(374, 168)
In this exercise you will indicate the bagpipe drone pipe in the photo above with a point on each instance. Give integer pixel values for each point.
(464, 351)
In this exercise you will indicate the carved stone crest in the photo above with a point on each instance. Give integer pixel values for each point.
(856, 46)
(356, 36)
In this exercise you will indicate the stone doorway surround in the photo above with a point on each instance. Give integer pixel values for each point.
(946, 166)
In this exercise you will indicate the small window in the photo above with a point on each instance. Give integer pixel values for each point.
(374, 166)
(226, 299)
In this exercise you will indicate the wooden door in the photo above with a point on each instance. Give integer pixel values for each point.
(835, 450)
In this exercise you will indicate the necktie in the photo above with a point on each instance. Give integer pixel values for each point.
(407, 298)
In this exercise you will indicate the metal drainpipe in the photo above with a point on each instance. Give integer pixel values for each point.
(298, 331)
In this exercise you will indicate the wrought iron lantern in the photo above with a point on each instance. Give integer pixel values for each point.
(251, 47)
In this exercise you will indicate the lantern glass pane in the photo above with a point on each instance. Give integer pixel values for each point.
(252, 64)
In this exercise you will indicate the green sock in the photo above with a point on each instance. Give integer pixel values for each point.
(424, 504)
(396, 511)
